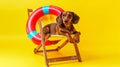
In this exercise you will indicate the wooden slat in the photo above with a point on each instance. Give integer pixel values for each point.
(61, 46)
(48, 50)
(62, 58)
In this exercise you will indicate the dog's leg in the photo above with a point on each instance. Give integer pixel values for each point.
(47, 36)
(69, 37)
(65, 32)
(77, 37)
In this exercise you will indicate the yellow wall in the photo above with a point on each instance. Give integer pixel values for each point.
(99, 24)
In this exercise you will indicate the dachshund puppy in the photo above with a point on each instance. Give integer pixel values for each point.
(63, 26)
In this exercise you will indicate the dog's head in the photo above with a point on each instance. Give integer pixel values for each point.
(67, 18)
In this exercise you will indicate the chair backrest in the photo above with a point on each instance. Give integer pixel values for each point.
(29, 11)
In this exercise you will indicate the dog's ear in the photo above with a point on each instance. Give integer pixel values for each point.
(75, 18)
(59, 19)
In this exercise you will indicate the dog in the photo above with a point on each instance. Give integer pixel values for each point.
(63, 26)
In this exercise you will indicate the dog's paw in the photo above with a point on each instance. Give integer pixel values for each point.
(70, 40)
(77, 40)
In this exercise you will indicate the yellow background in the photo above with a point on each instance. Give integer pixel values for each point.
(99, 25)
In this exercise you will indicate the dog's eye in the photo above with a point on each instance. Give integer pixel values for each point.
(63, 15)
(69, 16)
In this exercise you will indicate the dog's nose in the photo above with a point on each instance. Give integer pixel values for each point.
(66, 21)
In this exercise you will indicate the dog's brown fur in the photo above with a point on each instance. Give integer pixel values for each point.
(63, 26)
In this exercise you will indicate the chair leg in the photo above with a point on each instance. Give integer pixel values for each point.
(37, 48)
(77, 52)
(43, 43)
(45, 54)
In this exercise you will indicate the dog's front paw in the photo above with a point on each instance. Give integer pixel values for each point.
(77, 39)
(70, 40)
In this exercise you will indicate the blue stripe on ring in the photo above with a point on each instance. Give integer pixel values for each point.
(45, 9)
(32, 34)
